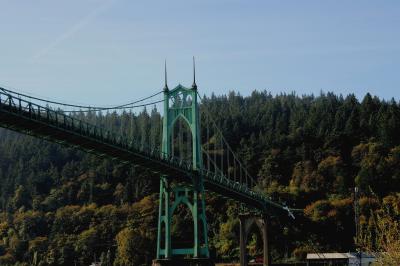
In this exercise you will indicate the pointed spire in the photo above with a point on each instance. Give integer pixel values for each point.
(194, 86)
(165, 75)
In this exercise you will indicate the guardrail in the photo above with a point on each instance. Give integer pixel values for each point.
(58, 119)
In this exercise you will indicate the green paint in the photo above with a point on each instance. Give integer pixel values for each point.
(29, 118)
(182, 103)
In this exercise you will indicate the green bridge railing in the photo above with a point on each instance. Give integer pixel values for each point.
(27, 117)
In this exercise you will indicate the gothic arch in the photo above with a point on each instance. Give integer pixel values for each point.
(181, 103)
(246, 223)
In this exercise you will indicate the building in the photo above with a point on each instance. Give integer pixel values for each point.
(339, 259)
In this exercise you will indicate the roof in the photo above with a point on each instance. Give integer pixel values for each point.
(319, 256)
(335, 255)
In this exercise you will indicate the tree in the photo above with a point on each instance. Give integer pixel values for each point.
(126, 248)
(381, 236)
(21, 198)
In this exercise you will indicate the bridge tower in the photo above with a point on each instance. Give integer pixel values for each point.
(181, 103)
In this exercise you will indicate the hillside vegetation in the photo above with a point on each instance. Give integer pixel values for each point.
(60, 206)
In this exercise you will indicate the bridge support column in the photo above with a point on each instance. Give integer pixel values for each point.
(164, 221)
(246, 222)
(242, 241)
(171, 196)
(181, 103)
(266, 254)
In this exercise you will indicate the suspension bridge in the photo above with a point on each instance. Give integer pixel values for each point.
(189, 164)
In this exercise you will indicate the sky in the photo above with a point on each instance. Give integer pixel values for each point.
(112, 51)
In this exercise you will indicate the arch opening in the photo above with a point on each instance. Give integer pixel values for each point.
(162, 238)
(182, 229)
(254, 243)
(182, 140)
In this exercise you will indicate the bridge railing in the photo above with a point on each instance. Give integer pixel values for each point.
(59, 119)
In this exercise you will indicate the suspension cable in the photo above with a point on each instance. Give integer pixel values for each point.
(227, 144)
(112, 108)
(127, 105)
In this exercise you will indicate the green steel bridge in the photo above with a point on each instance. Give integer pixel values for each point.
(183, 179)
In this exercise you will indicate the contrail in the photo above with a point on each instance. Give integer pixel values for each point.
(74, 29)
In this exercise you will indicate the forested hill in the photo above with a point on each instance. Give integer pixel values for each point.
(60, 206)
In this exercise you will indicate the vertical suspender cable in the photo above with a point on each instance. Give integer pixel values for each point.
(227, 166)
(132, 125)
(242, 170)
(208, 141)
(241, 177)
(234, 168)
(173, 141)
(121, 123)
(222, 153)
(180, 137)
(160, 124)
(189, 140)
(215, 150)
(150, 130)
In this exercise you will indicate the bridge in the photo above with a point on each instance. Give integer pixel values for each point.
(186, 169)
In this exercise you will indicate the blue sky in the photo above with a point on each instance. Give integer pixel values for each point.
(112, 51)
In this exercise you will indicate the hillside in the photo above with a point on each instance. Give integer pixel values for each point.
(60, 206)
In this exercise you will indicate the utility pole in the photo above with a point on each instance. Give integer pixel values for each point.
(357, 223)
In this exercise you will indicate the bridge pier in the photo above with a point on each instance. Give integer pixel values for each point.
(246, 222)
(181, 103)
(170, 198)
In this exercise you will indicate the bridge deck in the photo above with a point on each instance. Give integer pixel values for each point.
(28, 118)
